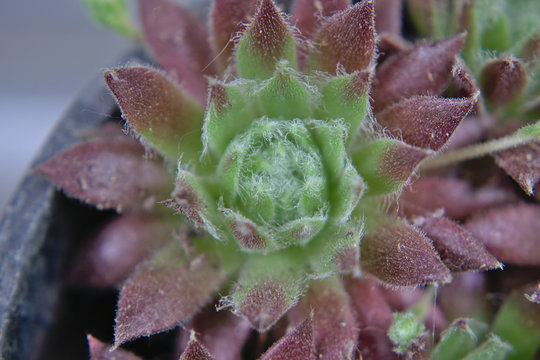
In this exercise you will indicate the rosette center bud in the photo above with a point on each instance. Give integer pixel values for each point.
(275, 190)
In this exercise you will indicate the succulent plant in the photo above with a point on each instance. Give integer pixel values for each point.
(290, 144)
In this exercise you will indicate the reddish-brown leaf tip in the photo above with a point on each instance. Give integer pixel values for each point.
(503, 80)
(425, 121)
(310, 13)
(298, 344)
(458, 248)
(399, 255)
(268, 31)
(522, 163)
(195, 350)
(347, 39)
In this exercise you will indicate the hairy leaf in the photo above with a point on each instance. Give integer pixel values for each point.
(458, 248)
(503, 80)
(399, 255)
(522, 164)
(425, 121)
(298, 344)
(157, 110)
(422, 70)
(510, 233)
(179, 42)
(459, 339)
(165, 291)
(108, 174)
(310, 13)
(346, 39)
(196, 351)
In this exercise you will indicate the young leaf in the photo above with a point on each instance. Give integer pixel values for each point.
(494, 349)
(309, 14)
(459, 339)
(347, 40)
(406, 329)
(425, 121)
(503, 80)
(179, 42)
(298, 344)
(266, 41)
(165, 291)
(157, 110)
(399, 255)
(108, 174)
(458, 248)
(422, 70)
(510, 233)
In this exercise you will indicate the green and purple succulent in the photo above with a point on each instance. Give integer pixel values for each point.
(292, 145)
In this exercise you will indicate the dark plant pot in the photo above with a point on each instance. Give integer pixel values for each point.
(40, 231)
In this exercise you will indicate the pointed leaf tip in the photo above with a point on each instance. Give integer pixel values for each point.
(458, 248)
(399, 255)
(266, 41)
(101, 351)
(296, 345)
(503, 80)
(108, 174)
(425, 121)
(195, 350)
(163, 115)
(522, 163)
(422, 70)
(309, 14)
(347, 39)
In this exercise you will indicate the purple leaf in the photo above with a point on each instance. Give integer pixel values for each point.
(463, 83)
(347, 39)
(196, 351)
(511, 233)
(108, 174)
(455, 196)
(101, 351)
(120, 246)
(309, 14)
(335, 328)
(298, 344)
(374, 317)
(522, 164)
(458, 248)
(227, 18)
(451, 300)
(425, 121)
(399, 255)
(179, 42)
(503, 80)
(165, 291)
(388, 14)
(222, 333)
(422, 70)
(158, 110)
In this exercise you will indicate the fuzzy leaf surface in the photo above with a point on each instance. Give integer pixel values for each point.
(399, 255)
(347, 39)
(179, 42)
(196, 351)
(425, 121)
(298, 344)
(510, 233)
(522, 163)
(108, 174)
(163, 115)
(503, 80)
(310, 13)
(422, 70)
(165, 291)
(458, 248)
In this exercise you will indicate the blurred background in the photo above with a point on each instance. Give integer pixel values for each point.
(48, 51)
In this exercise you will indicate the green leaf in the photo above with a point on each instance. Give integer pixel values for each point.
(404, 330)
(459, 339)
(493, 349)
(112, 14)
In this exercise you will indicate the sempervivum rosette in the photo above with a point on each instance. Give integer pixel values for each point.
(285, 170)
